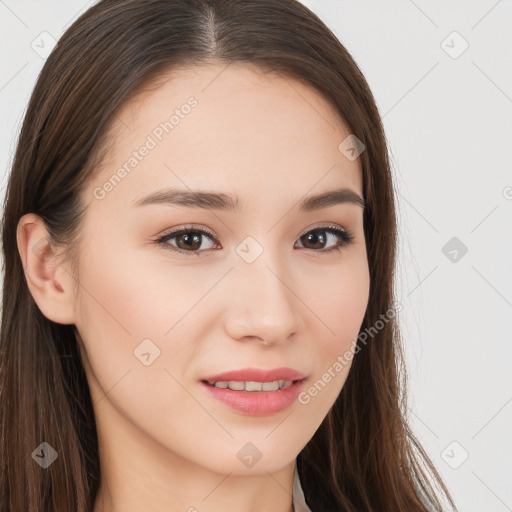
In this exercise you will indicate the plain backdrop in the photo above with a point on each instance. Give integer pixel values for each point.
(441, 74)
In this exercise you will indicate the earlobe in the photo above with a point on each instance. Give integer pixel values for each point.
(48, 281)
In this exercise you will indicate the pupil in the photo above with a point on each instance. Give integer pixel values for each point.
(191, 239)
(314, 236)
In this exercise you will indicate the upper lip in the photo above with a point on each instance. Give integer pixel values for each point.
(257, 375)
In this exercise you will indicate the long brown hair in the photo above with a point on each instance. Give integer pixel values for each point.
(363, 457)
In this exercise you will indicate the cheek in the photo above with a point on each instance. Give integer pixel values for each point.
(341, 303)
(134, 342)
(132, 294)
(133, 310)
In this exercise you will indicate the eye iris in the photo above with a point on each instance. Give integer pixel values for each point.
(314, 236)
(192, 240)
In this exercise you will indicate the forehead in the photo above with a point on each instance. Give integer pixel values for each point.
(231, 127)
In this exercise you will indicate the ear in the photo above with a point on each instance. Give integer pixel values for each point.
(49, 282)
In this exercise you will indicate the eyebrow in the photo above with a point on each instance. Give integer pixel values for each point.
(220, 201)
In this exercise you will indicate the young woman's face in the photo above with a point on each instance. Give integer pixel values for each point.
(251, 286)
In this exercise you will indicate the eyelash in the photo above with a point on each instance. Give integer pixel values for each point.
(346, 238)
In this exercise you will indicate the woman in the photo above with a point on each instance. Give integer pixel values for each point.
(199, 234)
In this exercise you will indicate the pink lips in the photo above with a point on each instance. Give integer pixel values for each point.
(258, 375)
(256, 403)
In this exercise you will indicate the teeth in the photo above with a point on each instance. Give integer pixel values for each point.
(252, 385)
(270, 386)
(238, 386)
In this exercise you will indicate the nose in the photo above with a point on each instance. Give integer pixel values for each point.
(263, 306)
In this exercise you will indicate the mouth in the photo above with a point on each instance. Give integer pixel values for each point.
(251, 385)
(256, 375)
(261, 395)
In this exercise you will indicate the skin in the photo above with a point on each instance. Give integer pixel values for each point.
(164, 444)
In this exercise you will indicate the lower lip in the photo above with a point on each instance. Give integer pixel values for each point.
(256, 403)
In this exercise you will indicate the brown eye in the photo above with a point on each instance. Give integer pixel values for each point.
(188, 241)
(191, 240)
(317, 238)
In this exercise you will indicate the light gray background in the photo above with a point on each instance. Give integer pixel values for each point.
(448, 118)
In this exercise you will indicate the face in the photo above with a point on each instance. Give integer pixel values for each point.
(173, 292)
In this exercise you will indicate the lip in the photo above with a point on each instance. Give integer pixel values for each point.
(257, 375)
(256, 403)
